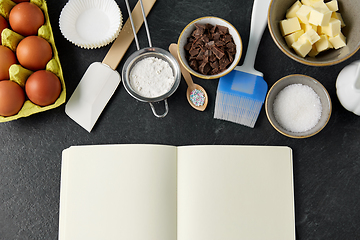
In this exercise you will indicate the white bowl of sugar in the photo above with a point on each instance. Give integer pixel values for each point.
(298, 106)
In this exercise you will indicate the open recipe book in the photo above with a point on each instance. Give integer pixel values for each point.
(159, 192)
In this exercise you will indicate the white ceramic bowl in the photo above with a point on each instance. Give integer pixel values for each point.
(319, 90)
(90, 23)
(182, 41)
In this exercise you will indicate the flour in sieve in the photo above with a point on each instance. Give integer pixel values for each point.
(151, 77)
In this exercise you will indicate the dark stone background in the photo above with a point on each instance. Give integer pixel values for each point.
(326, 166)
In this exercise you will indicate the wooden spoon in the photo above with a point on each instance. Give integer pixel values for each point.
(191, 85)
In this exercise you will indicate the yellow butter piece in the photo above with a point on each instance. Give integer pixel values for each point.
(319, 30)
(19, 74)
(312, 36)
(309, 2)
(338, 41)
(302, 46)
(291, 12)
(333, 5)
(313, 52)
(337, 15)
(10, 39)
(293, 37)
(304, 13)
(333, 28)
(320, 16)
(289, 26)
(307, 27)
(320, 5)
(323, 43)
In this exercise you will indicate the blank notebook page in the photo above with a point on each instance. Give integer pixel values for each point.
(234, 193)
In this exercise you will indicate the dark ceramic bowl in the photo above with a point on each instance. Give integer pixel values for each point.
(349, 10)
(305, 80)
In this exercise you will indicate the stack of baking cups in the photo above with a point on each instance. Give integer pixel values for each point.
(90, 23)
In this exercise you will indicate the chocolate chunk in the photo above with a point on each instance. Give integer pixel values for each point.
(199, 31)
(187, 46)
(205, 39)
(230, 56)
(215, 71)
(227, 38)
(214, 64)
(194, 51)
(213, 30)
(219, 43)
(204, 68)
(194, 64)
(210, 44)
(212, 57)
(201, 55)
(224, 62)
(218, 52)
(208, 26)
(222, 30)
(231, 47)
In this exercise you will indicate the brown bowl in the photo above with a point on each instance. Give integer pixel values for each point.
(349, 10)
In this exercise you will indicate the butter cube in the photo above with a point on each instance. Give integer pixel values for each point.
(338, 41)
(313, 52)
(319, 30)
(333, 5)
(311, 36)
(333, 28)
(288, 26)
(323, 43)
(337, 15)
(320, 16)
(307, 27)
(293, 37)
(304, 13)
(291, 12)
(320, 5)
(302, 46)
(309, 2)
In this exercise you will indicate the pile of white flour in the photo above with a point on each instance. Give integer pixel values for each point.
(151, 77)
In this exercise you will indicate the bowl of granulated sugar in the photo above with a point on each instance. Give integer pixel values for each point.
(298, 106)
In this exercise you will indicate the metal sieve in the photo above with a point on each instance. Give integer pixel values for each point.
(141, 54)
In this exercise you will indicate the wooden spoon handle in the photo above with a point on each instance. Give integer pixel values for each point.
(184, 72)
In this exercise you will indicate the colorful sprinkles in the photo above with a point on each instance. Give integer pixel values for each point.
(197, 97)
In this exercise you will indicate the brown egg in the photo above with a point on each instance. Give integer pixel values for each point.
(34, 53)
(3, 24)
(43, 87)
(26, 18)
(7, 58)
(12, 98)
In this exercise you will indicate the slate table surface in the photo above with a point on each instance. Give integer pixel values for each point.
(326, 166)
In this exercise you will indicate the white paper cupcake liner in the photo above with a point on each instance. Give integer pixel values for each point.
(90, 23)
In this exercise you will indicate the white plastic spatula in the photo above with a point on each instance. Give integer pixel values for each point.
(100, 80)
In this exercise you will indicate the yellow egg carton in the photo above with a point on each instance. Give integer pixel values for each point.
(20, 74)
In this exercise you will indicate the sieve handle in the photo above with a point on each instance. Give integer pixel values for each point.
(132, 22)
(126, 36)
(166, 109)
